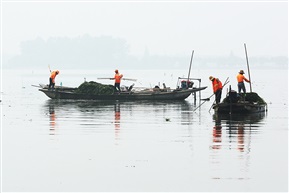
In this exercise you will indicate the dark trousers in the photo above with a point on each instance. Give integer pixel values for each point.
(51, 84)
(117, 87)
(241, 86)
(218, 95)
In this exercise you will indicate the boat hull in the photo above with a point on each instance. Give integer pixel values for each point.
(229, 108)
(174, 95)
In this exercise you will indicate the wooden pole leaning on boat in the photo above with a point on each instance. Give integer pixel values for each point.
(226, 82)
(248, 67)
(190, 69)
(203, 102)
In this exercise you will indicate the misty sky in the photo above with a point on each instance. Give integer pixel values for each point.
(165, 28)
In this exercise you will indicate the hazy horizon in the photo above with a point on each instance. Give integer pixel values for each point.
(140, 33)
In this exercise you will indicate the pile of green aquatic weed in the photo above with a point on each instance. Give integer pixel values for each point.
(251, 97)
(95, 88)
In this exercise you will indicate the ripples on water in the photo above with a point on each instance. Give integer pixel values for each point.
(98, 116)
(164, 133)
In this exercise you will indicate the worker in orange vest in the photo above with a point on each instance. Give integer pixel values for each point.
(240, 79)
(117, 79)
(52, 79)
(217, 88)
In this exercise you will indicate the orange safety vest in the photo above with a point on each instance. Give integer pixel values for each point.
(241, 78)
(217, 85)
(53, 75)
(117, 77)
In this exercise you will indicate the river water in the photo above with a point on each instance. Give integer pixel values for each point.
(94, 146)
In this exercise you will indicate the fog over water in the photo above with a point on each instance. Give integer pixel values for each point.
(142, 34)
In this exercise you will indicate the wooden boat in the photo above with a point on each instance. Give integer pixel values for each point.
(240, 117)
(241, 104)
(147, 94)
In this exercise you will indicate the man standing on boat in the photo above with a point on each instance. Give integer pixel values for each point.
(217, 88)
(240, 79)
(117, 79)
(52, 79)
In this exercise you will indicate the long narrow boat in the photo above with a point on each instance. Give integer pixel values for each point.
(241, 103)
(159, 94)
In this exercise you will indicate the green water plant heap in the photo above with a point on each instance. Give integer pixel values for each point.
(251, 97)
(94, 88)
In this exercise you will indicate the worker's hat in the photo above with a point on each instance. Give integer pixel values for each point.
(242, 72)
(211, 77)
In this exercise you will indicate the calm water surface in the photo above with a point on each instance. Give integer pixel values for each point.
(93, 146)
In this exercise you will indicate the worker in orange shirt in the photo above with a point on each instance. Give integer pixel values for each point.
(241, 78)
(217, 88)
(52, 79)
(117, 79)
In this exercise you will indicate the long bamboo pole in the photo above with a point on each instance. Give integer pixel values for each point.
(248, 67)
(190, 69)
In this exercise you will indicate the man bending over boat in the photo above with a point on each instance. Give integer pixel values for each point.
(240, 79)
(52, 79)
(217, 88)
(117, 79)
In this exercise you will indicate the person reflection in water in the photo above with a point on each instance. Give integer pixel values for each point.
(117, 120)
(52, 118)
(217, 135)
(241, 137)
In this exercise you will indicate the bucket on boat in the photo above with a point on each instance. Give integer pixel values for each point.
(184, 84)
(233, 96)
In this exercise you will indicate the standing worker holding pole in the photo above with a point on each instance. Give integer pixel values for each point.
(52, 78)
(241, 78)
(226, 82)
(117, 78)
(217, 88)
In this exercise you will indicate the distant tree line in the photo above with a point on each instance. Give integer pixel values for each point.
(84, 51)
(89, 52)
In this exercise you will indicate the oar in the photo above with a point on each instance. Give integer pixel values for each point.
(130, 79)
(226, 82)
(49, 67)
(36, 86)
(248, 67)
(105, 78)
(203, 102)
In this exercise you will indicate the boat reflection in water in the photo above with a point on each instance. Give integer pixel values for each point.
(117, 120)
(52, 119)
(103, 117)
(87, 115)
(233, 140)
(238, 129)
